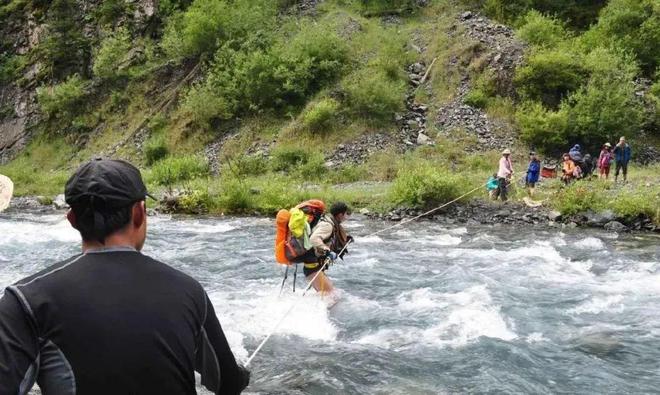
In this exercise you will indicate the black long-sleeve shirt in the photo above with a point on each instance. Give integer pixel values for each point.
(113, 322)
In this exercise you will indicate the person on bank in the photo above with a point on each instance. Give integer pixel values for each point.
(533, 173)
(112, 320)
(329, 239)
(504, 175)
(604, 160)
(570, 170)
(622, 155)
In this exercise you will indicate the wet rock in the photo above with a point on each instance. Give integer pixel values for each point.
(616, 226)
(59, 202)
(599, 219)
(554, 216)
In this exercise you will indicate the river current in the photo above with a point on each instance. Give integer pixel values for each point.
(424, 309)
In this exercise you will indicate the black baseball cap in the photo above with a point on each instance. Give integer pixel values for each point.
(116, 183)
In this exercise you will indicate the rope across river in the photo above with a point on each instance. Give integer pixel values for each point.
(325, 263)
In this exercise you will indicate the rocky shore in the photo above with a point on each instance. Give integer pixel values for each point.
(475, 212)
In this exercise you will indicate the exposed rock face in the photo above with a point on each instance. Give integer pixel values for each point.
(501, 53)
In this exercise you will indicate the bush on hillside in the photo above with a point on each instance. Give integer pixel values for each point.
(632, 24)
(111, 53)
(279, 77)
(320, 116)
(543, 129)
(178, 168)
(386, 6)
(63, 101)
(371, 94)
(206, 24)
(287, 158)
(550, 75)
(540, 30)
(579, 13)
(155, 149)
(426, 186)
(11, 67)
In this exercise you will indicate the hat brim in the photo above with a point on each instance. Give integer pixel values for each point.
(6, 192)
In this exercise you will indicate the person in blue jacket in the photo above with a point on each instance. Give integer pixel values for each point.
(622, 154)
(533, 172)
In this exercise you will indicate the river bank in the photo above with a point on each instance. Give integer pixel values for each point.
(472, 213)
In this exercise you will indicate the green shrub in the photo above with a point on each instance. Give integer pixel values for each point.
(313, 168)
(633, 25)
(235, 197)
(111, 53)
(579, 197)
(109, 11)
(206, 24)
(178, 168)
(11, 67)
(195, 202)
(631, 204)
(155, 149)
(287, 158)
(204, 105)
(321, 115)
(386, 6)
(545, 130)
(476, 98)
(426, 186)
(550, 75)
(371, 94)
(579, 13)
(63, 101)
(249, 165)
(540, 30)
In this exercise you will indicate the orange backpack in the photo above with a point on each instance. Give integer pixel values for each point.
(286, 247)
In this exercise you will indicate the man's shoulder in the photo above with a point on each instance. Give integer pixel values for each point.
(61, 265)
(170, 271)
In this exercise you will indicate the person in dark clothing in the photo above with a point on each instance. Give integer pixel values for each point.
(112, 320)
(533, 172)
(622, 155)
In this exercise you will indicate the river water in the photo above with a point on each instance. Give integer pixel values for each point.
(424, 309)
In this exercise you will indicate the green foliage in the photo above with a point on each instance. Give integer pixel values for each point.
(632, 204)
(320, 116)
(550, 75)
(249, 165)
(63, 101)
(64, 49)
(11, 67)
(110, 11)
(386, 6)
(635, 26)
(207, 24)
(580, 197)
(426, 185)
(545, 130)
(274, 78)
(235, 196)
(287, 158)
(178, 168)
(579, 13)
(155, 149)
(476, 98)
(540, 30)
(195, 202)
(371, 94)
(111, 53)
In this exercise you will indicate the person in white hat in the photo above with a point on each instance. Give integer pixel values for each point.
(504, 175)
(604, 161)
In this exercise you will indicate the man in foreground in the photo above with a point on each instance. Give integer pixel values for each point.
(111, 320)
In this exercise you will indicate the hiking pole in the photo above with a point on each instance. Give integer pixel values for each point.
(286, 274)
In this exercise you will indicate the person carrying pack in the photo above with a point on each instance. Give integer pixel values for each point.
(329, 239)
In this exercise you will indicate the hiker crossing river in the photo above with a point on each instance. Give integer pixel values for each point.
(424, 309)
